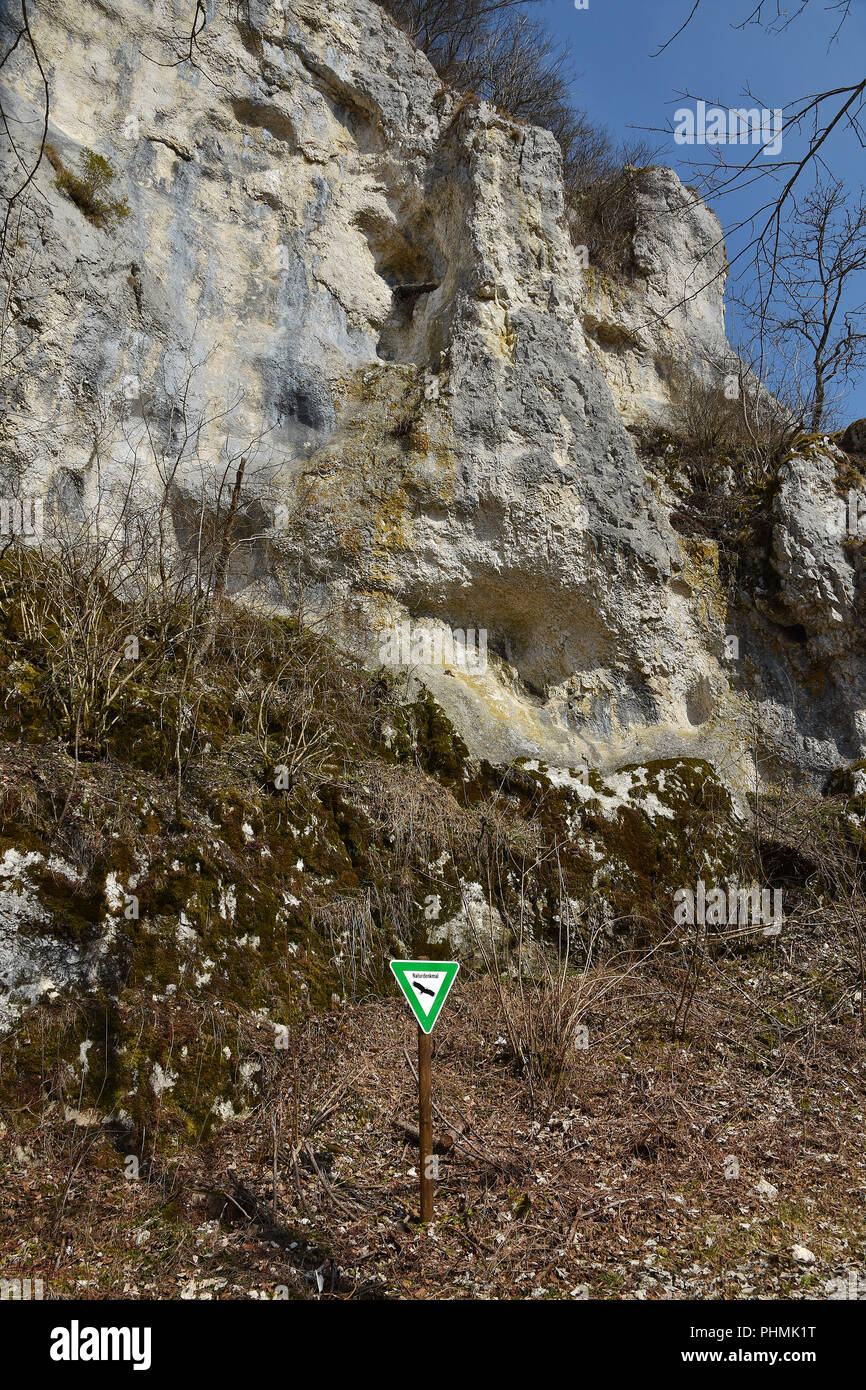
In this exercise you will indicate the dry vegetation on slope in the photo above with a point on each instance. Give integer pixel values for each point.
(222, 1104)
(627, 1189)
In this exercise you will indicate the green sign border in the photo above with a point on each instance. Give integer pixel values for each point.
(401, 968)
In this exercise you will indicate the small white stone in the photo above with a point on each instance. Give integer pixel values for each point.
(767, 1190)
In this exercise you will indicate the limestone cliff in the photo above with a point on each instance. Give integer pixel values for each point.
(361, 282)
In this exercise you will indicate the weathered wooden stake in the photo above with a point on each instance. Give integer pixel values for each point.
(425, 1124)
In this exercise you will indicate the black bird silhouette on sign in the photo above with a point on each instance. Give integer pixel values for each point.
(422, 989)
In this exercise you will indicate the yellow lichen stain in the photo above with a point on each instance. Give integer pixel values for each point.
(701, 574)
(350, 541)
(393, 453)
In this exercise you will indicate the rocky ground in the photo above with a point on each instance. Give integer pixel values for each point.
(727, 1163)
(206, 1078)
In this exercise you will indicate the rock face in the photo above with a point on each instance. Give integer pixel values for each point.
(670, 314)
(819, 560)
(818, 575)
(361, 282)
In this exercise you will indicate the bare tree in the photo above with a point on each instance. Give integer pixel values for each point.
(816, 118)
(19, 164)
(810, 318)
(518, 66)
(18, 36)
(450, 32)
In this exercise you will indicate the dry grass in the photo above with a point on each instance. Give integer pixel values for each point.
(624, 1192)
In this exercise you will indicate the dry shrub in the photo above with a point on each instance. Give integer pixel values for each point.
(88, 189)
(715, 426)
(546, 993)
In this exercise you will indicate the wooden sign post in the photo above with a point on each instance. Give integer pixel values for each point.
(425, 984)
(425, 1123)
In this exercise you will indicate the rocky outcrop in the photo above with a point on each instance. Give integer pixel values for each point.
(668, 314)
(812, 552)
(361, 282)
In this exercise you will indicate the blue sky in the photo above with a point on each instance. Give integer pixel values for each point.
(626, 89)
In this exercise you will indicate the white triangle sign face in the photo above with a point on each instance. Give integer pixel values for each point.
(425, 984)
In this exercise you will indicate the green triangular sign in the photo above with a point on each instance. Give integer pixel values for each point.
(425, 984)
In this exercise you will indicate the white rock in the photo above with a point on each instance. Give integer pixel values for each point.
(766, 1190)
